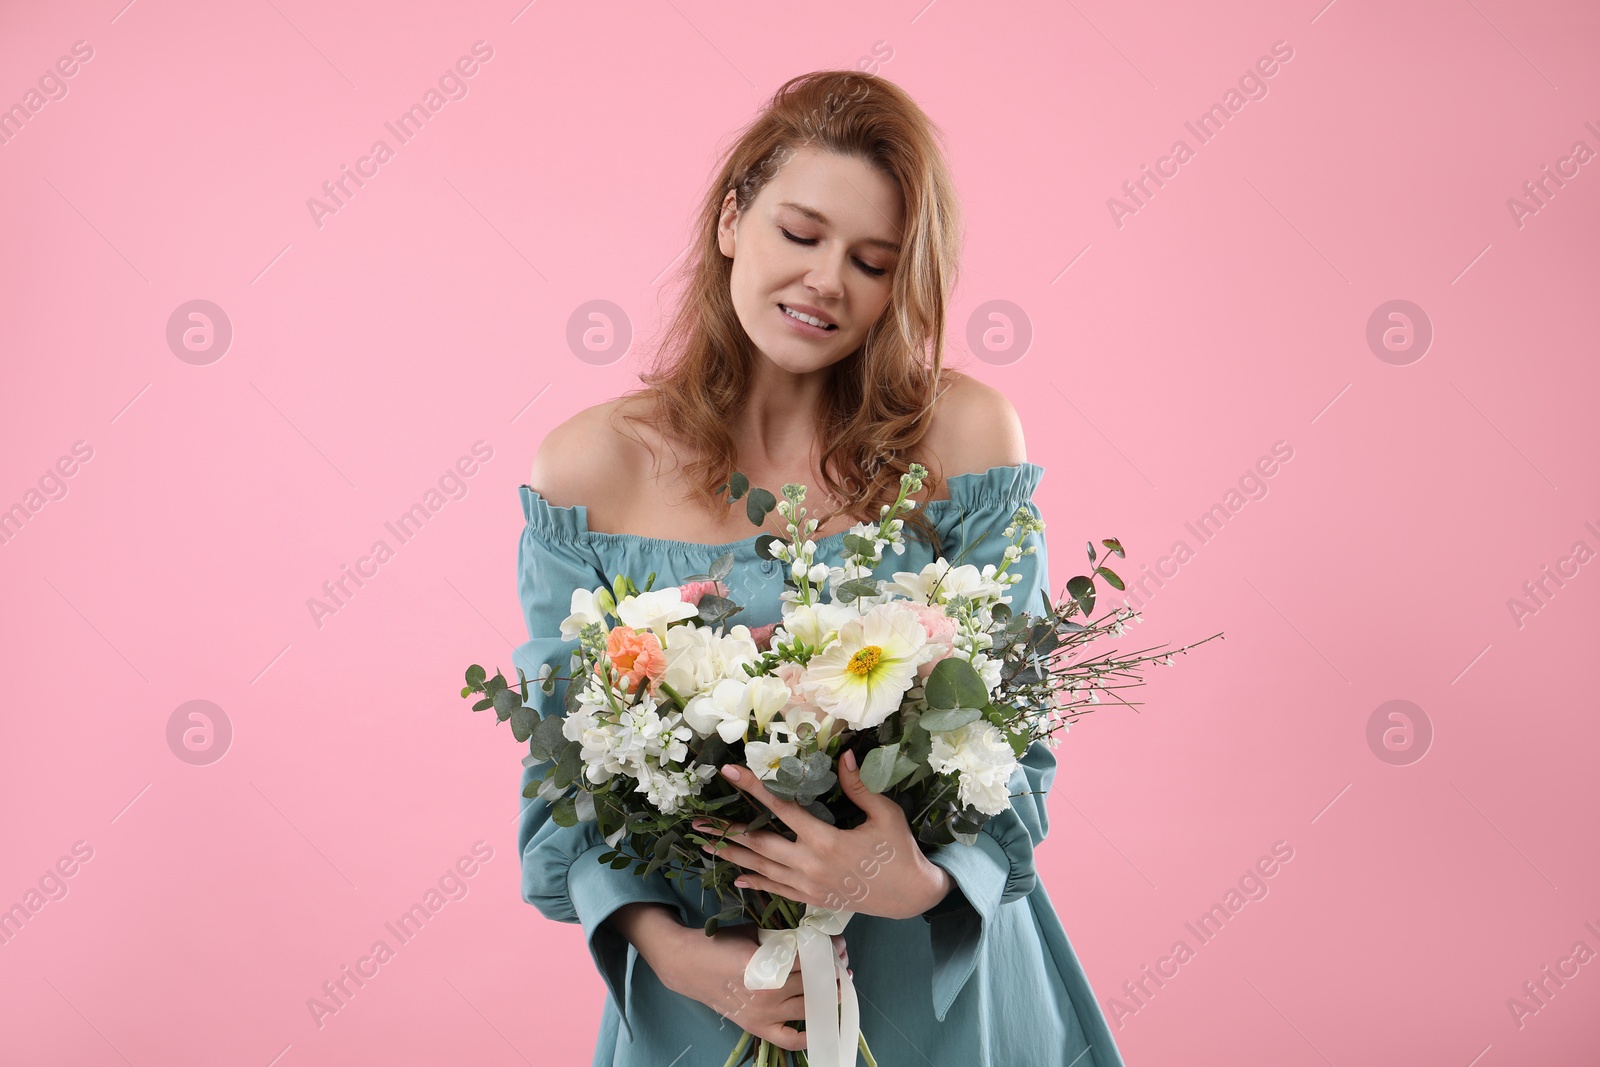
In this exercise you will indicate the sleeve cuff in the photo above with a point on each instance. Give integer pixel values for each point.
(957, 923)
(597, 890)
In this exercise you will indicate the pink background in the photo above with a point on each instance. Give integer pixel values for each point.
(1168, 354)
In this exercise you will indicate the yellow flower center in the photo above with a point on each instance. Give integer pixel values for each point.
(865, 660)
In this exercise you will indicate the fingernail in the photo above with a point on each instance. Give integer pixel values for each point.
(732, 773)
(850, 759)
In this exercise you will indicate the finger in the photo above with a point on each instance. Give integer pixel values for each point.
(750, 861)
(765, 842)
(793, 815)
(776, 888)
(783, 1036)
(876, 805)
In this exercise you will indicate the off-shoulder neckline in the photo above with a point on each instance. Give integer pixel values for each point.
(1024, 475)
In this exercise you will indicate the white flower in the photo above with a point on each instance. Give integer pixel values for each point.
(823, 724)
(982, 757)
(863, 677)
(812, 624)
(585, 611)
(724, 711)
(698, 657)
(965, 580)
(655, 610)
(763, 756)
(767, 696)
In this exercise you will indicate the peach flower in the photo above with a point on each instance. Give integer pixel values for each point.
(637, 654)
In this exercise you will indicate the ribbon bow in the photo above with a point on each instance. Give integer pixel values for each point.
(831, 1034)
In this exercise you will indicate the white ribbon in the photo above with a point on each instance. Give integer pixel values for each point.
(831, 1034)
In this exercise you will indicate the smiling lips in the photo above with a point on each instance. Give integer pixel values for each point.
(811, 320)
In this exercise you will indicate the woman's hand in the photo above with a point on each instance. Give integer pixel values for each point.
(874, 869)
(711, 970)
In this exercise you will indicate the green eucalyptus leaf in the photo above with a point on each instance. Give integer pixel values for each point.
(738, 485)
(476, 675)
(1114, 545)
(878, 767)
(523, 720)
(1092, 556)
(714, 609)
(564, 812)
(1110, 576)
(940, 720)
(1081, 589)
(546, 738)
(917, 743)
(859, 545)
(721, 566)
(954, 683)
(758, 504)
(506, 701)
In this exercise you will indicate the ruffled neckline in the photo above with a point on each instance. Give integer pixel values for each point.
(1007, 485)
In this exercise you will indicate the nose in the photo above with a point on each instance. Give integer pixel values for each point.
(824, 278)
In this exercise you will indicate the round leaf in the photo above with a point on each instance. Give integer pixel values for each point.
(953, 683)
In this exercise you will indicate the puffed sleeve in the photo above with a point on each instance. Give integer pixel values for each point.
(999, 867)
(561, 872)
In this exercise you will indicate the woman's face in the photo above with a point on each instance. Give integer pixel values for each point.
(821, 238)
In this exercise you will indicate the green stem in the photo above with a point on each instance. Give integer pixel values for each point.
(738, 1050)
(861, 1042)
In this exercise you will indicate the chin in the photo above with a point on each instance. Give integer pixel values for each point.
(793, 362)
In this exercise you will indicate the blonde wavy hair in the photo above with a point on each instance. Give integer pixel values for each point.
(877, 400)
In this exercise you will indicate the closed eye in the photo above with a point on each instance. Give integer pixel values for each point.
(876, 272)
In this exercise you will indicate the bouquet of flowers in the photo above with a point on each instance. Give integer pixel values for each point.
(931, 679)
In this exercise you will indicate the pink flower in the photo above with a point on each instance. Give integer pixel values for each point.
(693, 591)
(638, 655)
(762, 635)
(941, 630)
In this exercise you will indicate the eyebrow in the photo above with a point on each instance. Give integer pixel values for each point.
(818, 217)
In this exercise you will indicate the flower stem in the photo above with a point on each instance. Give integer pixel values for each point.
(738, 1050)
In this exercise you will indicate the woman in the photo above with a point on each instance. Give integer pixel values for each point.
(808, 348)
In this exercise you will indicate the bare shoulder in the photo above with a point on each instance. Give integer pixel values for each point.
(973, 427)
(585, 458)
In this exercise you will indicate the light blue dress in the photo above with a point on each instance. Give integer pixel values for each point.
(987, 978)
